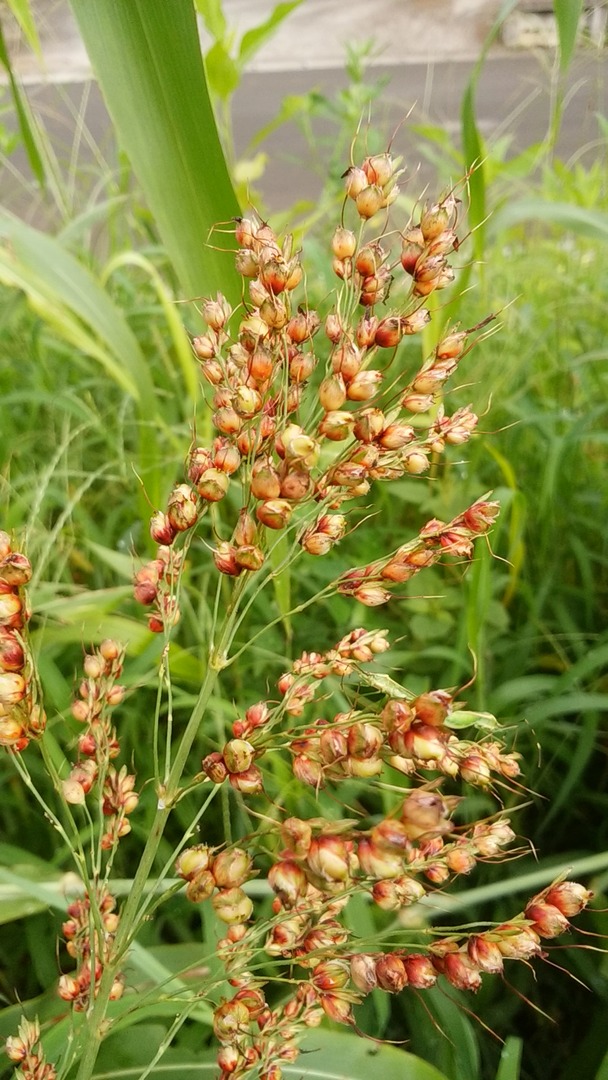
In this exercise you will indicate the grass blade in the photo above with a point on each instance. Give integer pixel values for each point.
(24, 117)
(472, 144)
(253, 39)
(510, 1059)
(567, 17)
(147, 58)
(68, 297)
(22, 12)
(589, 223)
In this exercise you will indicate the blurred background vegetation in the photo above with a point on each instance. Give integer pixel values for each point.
(98, 393)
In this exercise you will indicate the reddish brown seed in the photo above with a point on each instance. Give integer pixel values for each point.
(212, 485)
(363, 972)
(568, 897)
(12, 654)
(249, 782)
(420, 971)
(391, 973)
(389, 332)
(15, 569)
(274, 514)
(231, 868)
(548, 921)
(461, 972)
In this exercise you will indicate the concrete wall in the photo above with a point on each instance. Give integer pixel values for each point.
(314, 36)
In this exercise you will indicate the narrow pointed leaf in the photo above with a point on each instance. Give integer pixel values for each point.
(253, 39)
(583, 222)
(22, 12)
(567, 16)
(510, 1059)
(472, 144)
(213, 17)
(24, 116)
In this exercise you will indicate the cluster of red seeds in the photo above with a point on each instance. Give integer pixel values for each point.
(90, 945)
(464, 963)
(406, 732)
(371, 584)
(256, 1037)
(99, 693)
(408, 736)
(227, 872)
(25, 1050)
(300, 448)
(308, 933)
(21, 715)
(236, 762)
(396, 861)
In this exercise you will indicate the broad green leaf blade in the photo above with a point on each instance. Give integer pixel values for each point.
(510, 1059)
(567, 17)
(121, 564)
(46, 894)
(73, 286)
(147, 58)
(82, 605)
(602, 1073)
(146, 964)
(48, 306)
(335, 1055)
(441, 1030)
(14, 908)
(473, 157)
(179, 337)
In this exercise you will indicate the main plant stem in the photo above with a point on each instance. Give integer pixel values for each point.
(128, 918)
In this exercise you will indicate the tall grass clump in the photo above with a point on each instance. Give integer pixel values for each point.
(300, 798)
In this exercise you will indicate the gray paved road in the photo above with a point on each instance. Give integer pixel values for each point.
(513, 97)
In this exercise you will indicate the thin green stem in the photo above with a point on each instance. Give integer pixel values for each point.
(293, 611)
(151, 901)
(73, 842)
(178, 1023)
(159, 699)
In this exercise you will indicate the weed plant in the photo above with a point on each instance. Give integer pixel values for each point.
(342, 788)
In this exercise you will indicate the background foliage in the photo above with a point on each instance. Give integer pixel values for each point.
(98, 390)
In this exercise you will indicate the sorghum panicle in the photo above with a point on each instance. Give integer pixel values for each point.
(306, 421)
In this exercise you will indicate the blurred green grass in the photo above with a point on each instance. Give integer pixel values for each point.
(532, 609)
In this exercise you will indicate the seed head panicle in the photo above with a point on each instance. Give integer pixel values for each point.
(309, 411)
